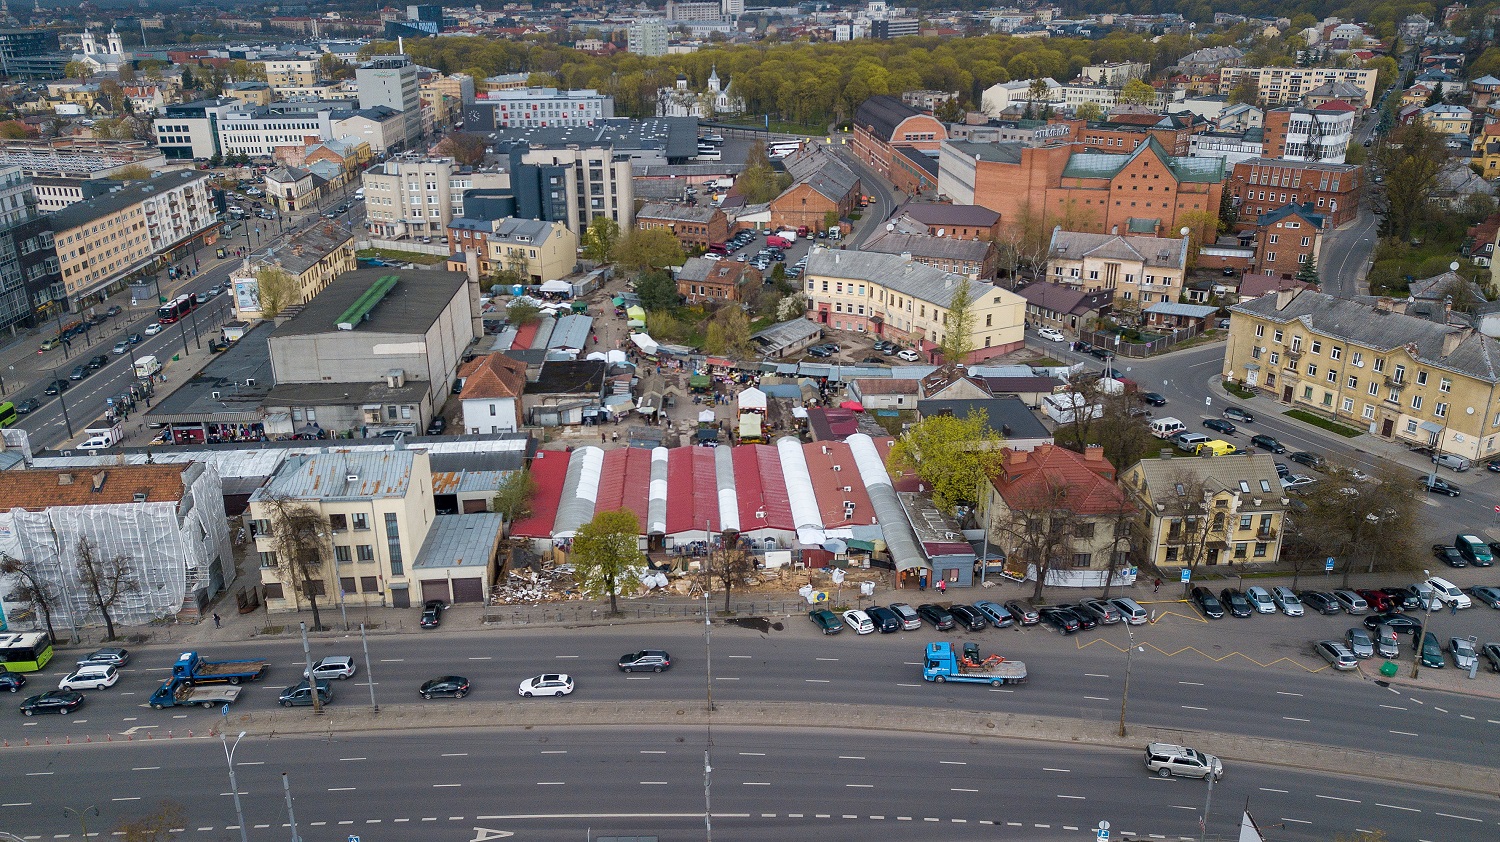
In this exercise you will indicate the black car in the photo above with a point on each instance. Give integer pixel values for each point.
(885, 620)
(655, 660)
(1219, 425)
(114, 310)
(437, 426)
(1025, 615)
(12, 681)
(1235, 600)
(1102, 353)
(1086, 618)
(97, 362)
(1449, 555)
(1265, 442)
(969, 617)
(1399, 623)
(27, 406)
(432, 613)
(79, 372)
(56, 387)
(1308, 458)
(52, 701)
(1208, 603)
(449, 685)
(1321, 602)
(1153, 398)
(940, 618)
(1064, 621)
(1434, 485)
(1405, 598)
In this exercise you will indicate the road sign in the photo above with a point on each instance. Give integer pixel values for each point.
(353, 838)
(1102, 833)
(1187, 575)
(1328, 565)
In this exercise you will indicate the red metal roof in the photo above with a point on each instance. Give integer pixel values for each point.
(833, 471)
(761, 488)
(525, 335)
(549, 469)
(625, 482)
(692, 490)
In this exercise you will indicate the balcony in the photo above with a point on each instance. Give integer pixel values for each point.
(1394, 383)
(1266, 533)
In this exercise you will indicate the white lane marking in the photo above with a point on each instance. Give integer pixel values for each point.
(16, 804)
(565, 657)
(816, 680)
(127, 798)
(341, 789)
(954, 762)
(555, 751)
(653, 783)
(1268, 789)
(38, 774)
(392, 660)
(1049, 769)
(144, 768)
(1461, 818)
(481, 658)
(1285, 693)
(1097, 698)
(1094, 675)
(442, 786)
(1465, 716)
(1404, 733)
(1075, 797)
(1395, 707)
(755, 783)
(1182, 807)
(740, 656)
(1296, 719)
(908, 685)
(1336, 798)
(1296, 821)
(1192, 683)
(353, 758)
(457, 754)
(650, 751)
(956, 789)
(724, 678)
(251, 763)
(1192, 707)
(860, 786)
(749, 754)
(1438, 709)
(1394, 807)
(550, 783)
(826, 659)
(850, 757)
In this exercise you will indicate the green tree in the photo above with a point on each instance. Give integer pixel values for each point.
(958, 327)
(512, 499)
(131, 172)
(657, 291)
(464, 148)
(1088, 111)
(1137, 92)
(606, 555)
(599, 239)
(1309, 271)
(1411, 159)
(949, 111)
(1227, 213)
(523, 313)
(952, 455)
(1247, 91)
(1204, 228)
(277, 290)
(729, 333)
(759, 182)
(14, 130)
(830, 220)
(187, 78)
(79, 70)
(652, 248)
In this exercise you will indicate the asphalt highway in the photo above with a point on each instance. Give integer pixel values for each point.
(581, 782)
(1079, 676)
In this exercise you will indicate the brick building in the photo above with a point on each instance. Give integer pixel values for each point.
(1261, 185)
(692, 226)
(963, 222)
(820, 183)
(1125, 132)
(701, 281)
(1286, 239)
(1146, 191)
(882, 123)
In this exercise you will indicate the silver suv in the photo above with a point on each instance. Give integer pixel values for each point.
(1167, 760)
(654, 660)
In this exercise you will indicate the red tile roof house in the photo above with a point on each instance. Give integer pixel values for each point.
(1052, 481)
(491, 395)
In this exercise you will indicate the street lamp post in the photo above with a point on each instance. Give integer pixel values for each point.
(1416, 638)
(63, 402)
(1125, 696)
(82, 817)
(234, 785)
(369, 676)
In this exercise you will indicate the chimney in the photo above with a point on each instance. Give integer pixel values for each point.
(1453, 338)
(471, 264)
(1284, 297)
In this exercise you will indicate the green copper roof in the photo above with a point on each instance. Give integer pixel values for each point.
(362, 306)
(1105, 164)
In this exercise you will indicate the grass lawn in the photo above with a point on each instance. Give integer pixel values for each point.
(1238, 391)
(1046, 362)
(402, 256)
(893, 423)
(1319, 421)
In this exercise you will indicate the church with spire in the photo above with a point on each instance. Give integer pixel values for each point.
(108, 60)
(682, 101)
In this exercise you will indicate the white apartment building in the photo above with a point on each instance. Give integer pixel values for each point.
(1303, 134)
(392, 81)
(524, 107)
(417, 196)
(647, 37)
(259, 130)
(1116, 73)
(177, 206)
(1287, 85)
(290, 70)
(597, 182)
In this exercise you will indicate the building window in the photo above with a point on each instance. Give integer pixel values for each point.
(1312, 370)
(267, 560)
(1379, 364)
(1421, 378)
(1369, 413)
(1416, 402)
(1348, 404)
(338, 523)
(1260, 331)
(393, 544)
(1440, 410)
(1353, 382)
(341, 554)
(1335, 353)
(365, 552)
(1445, 385)
(361, 521)
(1317, 347)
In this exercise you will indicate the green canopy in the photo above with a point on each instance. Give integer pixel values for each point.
(636, 313)
(617, 301)
(699, 381)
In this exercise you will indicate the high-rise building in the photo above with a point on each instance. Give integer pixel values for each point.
(733, 8)
(28, 259)
(392, 81)
(647, 37)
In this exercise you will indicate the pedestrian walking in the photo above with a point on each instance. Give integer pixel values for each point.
(1453, 609)
(1156, 586)
(942, 586)
(216, 621)
(922, 582)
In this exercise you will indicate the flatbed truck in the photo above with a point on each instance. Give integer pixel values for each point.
(194, 669)
(942, 664)
(176, 691)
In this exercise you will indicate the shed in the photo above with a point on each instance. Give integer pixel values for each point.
(458, 560)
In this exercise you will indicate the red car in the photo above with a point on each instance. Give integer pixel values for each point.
(1379, 602)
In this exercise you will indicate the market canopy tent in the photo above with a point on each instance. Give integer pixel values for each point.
(636, 313)
(558, 287)
(644, 342)
(752, 399)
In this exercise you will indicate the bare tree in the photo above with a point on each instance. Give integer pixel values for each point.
(1040, 530)
(155, 826)
(1187, 507)
(1124, 431)
(1360, 521)
(32, 588)
(1079, 434)
(108, 580)
(1127, 541)
(729, 567)
(301, 535)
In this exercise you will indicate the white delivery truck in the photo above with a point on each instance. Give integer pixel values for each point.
(147, 365)
(98, 438)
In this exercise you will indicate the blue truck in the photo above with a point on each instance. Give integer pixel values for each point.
(942, 664)
(178, 691)
(195, 670)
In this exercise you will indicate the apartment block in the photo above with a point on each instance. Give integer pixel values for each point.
(290, 70)
(313, 258)
(1288, 85)
(1261, 185)
(1140, 270)
(537, 107)
(392, 81)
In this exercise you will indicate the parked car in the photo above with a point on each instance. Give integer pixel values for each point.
(79, 372)
(885, 620)
(437, 426)
(432, 613)
(1153, 398)
(995, 613)
(1462, 650)
(968, 616)
(1404, 598)
(1437, 485)
(1432, 651)
(1387, 645)
(1399, 623)
(1234, 413)
(1025, 615)
(121, 347)
(1265, 442)
(114, 310)
(1359, 642)
(1063, 621)
(1103, 611)
(1321, 602)
(1351, 602)
(449, 685)
(1086, 620)
(1234, 599)
(1051, 334)
(550, 684)
(655, 660)
(1488, 595)
(859, 621)
(1308, 458)
(909, 355)
(1260, 599)
(1336, 654)
(1297, 481)
(1287, 601)
(1447, 593)
(826, 621)
(1219, 425)
(910, 621)
(1208, 603)
(1448, 555)
(1377, 600)
(937, 615)
(1131, 610)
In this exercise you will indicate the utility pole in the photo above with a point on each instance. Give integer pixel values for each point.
(312, 683)
(369, 676)
(286, 787)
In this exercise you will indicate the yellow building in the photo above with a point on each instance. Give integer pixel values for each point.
(544, 251)
(250, 93)
(895, 298)
(290, 70)
(1374, 367)
(1486, 148)
(1140, 270)
(313, 258)
(1448, 119)
(447, 95)
(1204, 512)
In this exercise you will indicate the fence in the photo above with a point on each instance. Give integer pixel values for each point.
(583, 613)
(1138, 349)
(413, 246)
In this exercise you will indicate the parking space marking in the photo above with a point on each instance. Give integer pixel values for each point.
(1084, 644)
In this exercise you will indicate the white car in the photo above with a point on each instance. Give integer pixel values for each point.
(1296, 481)
(1448, 594)
(552, 684)
(152, 329)
(859, 621)
(909, 355)
(91, 677)
(1051, 334)
(333, 666)
(1260, 600)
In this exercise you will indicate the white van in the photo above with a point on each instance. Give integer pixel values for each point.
(1448, 593)
(91, 677)
(1165, 428)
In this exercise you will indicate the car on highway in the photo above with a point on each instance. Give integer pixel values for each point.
(1462, 651)
(1051, 334)
(1359, 642)
(1336, 654)
(56, 387)
(1399, 623)
(550, 684)
(1260, 599)
(52, 701)
(1265, 442)
(968, 617)
(859, 621)
(1308, 458)
(121, 347)
(826, 621)
(79, 372)
(113, 656)
(12, 682)
(1234, 413)
(432, 613)
(1320, 601)
(1287, 601)
(1063, 621)
(1486, 594)
(301, 695)
(135, 339)
(654, 660)
(1351, 602)
(910, 621)
(449, 685)
(28, 406)
(1438, 485)
(333, 666)
(154, 328)
(940, 617)
(1234, 600)
(1153, 398)
(1025, 615)
(885, 620)
(1219, 425)
(1102, 611)
(1208, 603)
(90, 677)
(97, 362)
(1448, 555)
(1167, 760)
(996, 613)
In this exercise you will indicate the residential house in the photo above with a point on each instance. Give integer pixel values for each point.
(1208, 512)
(1253, 286)
(1287, 239)
(877, 393)
(491, 395)
(1067, 308)
(976, 258)
(1140, 270)
(1486, 150)
(1172, 315)
(1287, 85)
(291, 188)
(961, 222)
(540, 251)
(693, 226)
(1005, 415)
(1456, 182)
(702, 281)
(1373, 366)
(1448, 119)
(821, 184)
(312, 258)
(1483, 91)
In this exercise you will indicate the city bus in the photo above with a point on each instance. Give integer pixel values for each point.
(782, 149)
(25, 651)
(8, 414)
(175, 309)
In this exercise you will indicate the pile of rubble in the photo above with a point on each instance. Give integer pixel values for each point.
(528, 586)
